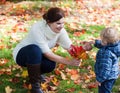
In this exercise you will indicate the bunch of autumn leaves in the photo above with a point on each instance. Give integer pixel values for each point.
(79, 52)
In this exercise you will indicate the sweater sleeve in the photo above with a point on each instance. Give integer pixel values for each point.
(64, 40)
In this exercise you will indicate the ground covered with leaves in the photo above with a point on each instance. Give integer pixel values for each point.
(84, 20)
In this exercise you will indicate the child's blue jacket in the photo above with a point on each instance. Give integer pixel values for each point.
(106, 66)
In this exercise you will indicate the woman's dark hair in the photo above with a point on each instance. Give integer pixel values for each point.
(53, 14)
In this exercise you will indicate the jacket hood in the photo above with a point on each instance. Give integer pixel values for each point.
(115, 48)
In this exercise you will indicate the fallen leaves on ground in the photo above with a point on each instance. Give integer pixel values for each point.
(16, 18)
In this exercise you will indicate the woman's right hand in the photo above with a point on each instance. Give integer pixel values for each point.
(60, 59)
(74, 62)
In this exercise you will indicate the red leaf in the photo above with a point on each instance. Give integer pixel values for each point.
(57, 71)
(92, 85)
(15, 80)
(71, 90)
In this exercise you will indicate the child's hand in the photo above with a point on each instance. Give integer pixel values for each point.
(98, 83)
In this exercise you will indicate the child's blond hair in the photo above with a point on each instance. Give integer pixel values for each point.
(109, 35)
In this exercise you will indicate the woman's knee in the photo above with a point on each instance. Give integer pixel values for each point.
(34, 54)
(47, 67)
(52, 67)
(34, 50)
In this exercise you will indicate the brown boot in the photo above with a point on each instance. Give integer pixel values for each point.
(34, 77)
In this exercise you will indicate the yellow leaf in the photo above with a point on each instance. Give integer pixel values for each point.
(84, 86)
(24, 74)
(87, 80)
(63, 75)
(92, 73)
(83, 56)
(8, 89)
(55, 81)
(44, 86)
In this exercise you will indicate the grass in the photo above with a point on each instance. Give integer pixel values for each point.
(65, 85)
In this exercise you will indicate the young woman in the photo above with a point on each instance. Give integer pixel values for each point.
(34, 52)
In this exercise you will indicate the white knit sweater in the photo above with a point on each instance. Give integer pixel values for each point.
(42, 35)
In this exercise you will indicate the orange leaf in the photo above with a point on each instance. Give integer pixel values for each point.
(77, 34)
(73, 72)
(83, 56)
(3, 61)
(57, 72)
(92, 85)
(75, 77)
(1, 72)
(27, 85)
(61, 66)
(77, 81)
(2, 46)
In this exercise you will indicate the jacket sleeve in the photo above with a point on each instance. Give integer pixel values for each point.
(117, 50)
(98, 44)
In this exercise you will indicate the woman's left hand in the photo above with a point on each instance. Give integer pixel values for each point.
(87, 46)
(74, 62)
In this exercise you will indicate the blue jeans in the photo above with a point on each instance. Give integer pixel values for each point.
(106, 86)
(32, 54)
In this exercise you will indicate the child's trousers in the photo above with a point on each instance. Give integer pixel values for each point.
(106, 86)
